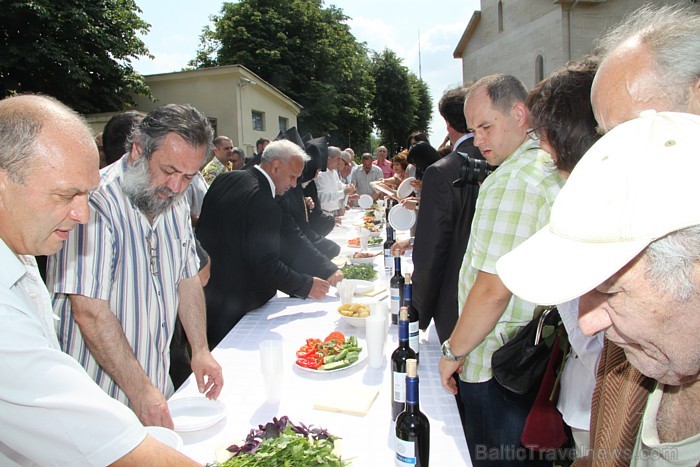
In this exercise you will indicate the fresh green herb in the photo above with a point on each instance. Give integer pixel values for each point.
(281, 443)
(364, 272)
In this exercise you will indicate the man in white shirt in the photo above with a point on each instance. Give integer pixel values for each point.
(332, 191)
(51, 412)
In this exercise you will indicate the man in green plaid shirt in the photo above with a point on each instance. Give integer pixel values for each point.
(513, 203)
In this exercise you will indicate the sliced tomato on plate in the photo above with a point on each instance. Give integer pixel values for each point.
(337, 335)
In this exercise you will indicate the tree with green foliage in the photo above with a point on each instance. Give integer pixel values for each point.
(394, 105)
(306, 51)
(78, 51)
(424, 104)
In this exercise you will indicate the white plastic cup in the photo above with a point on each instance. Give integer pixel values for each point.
(364, 239)
(346, 291)
(375, 332)
(381, 308)
(272, 369)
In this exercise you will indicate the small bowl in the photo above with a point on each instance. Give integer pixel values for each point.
(355, 322)
(166, 436)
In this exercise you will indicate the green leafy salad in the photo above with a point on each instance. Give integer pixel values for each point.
(281, 443)
(363, 272)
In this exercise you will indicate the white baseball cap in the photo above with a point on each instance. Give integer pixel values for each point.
(638, 183)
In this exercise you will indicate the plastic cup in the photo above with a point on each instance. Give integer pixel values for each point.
(375, 332)
(380, 308)
(364, 239)
(272, 369)
(346, 291)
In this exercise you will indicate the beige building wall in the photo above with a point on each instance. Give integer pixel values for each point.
(557, 31)
(228, 95)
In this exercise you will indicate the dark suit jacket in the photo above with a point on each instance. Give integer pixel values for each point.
(321, 222)
(296, 250)
(442, 232)
(240, 229)
(294, 202)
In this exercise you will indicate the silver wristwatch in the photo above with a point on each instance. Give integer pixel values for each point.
(448, 355)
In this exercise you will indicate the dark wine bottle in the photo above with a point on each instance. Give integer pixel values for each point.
(388, 208)
(396, 290)
(413, 330)
(398, 366)
(412, 426)
(387, 247)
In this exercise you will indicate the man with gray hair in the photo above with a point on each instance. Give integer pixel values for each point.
(345, 167)
(238, 158)
(137, 269)
(332, 191)
(383, 162)
(633, 256)
(650, 61)
(240, 228)
(51, 411)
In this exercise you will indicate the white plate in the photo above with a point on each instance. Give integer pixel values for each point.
(360, 285)
(165, 436)
(401, 218)
(405, 189)
(365, 201)
(362, 358)
(195, 413)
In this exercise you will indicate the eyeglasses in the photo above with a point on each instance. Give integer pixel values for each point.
(153, 252)
(535, 133)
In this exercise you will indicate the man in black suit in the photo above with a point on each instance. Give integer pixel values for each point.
(444, 222)
(301, 247)
(254, 160)
(299, 206)
(240, 228)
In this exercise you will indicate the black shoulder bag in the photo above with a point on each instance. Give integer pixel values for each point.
(520, 363)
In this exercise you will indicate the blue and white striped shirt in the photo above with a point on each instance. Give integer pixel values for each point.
(118, 256)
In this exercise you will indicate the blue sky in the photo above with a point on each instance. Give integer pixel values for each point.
(396, 24)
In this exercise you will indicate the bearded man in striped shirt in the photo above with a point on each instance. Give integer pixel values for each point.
(121, 279)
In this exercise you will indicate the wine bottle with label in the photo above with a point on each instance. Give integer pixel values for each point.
(398, 367)
(388, 261)
(412, 426)
(413, 330)
(396, 290)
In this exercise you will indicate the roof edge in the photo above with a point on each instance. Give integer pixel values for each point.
(468, 32)
(222, 70)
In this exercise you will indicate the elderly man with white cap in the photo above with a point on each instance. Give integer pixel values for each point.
(624, 234)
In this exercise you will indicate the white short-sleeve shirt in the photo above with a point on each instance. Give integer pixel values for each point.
(51, 412)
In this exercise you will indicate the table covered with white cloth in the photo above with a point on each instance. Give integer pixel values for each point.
(366, 440)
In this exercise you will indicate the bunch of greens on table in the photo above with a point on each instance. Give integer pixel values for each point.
(364, 272)
(281, 443)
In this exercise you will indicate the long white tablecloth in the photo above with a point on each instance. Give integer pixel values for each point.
(366, 440)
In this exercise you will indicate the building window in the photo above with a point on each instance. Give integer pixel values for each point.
(284, 124)
(258, 121)
(539, 68)
(500, 16)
